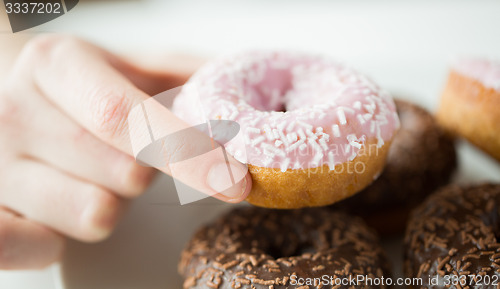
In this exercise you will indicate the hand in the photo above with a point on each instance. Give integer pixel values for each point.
(66, 168)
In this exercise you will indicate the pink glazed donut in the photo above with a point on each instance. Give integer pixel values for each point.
(312, 131)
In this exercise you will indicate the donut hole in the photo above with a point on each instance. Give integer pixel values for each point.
(283, 88)
(269, 93)
(294, 242)
(491, 220)
(285, 251)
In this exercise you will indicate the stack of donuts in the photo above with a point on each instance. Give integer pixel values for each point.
(335, 162)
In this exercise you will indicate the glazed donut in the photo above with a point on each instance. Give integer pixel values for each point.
(455, 233)
(422, 158)
(470, 101)
(313, 131)
(258, 248)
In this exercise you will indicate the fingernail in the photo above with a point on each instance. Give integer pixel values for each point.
(93, 232)
(98, 221)
(227, 179)
(137, 180)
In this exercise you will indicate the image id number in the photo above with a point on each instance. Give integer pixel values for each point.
(33, 8)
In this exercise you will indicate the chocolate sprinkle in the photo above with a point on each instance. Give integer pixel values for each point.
(267, 257)
(470, 249)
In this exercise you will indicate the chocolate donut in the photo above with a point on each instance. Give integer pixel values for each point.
(454, 233)
(253, 247)
(422, 158)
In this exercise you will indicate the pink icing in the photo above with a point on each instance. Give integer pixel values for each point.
(295, 110)
(485, 71)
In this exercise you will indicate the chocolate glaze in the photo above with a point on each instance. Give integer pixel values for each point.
(261, 248)
(455, 232)
(422, 158)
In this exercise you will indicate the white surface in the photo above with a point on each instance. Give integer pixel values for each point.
(403, 45)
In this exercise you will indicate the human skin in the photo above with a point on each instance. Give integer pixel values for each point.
(67, 167)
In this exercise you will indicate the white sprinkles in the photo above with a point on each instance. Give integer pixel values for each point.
(306, 136)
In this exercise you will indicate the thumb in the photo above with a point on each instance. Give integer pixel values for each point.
(154, 73)
(185, 152)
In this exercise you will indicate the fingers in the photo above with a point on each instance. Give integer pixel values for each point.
(154, 73)
(186, 153)
(75, 151)
(92, 86)
(78, 78)
(70, 206)
(25, 244)
(100, 98)
(228, 181)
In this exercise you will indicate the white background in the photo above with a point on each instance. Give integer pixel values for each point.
(404, 45)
